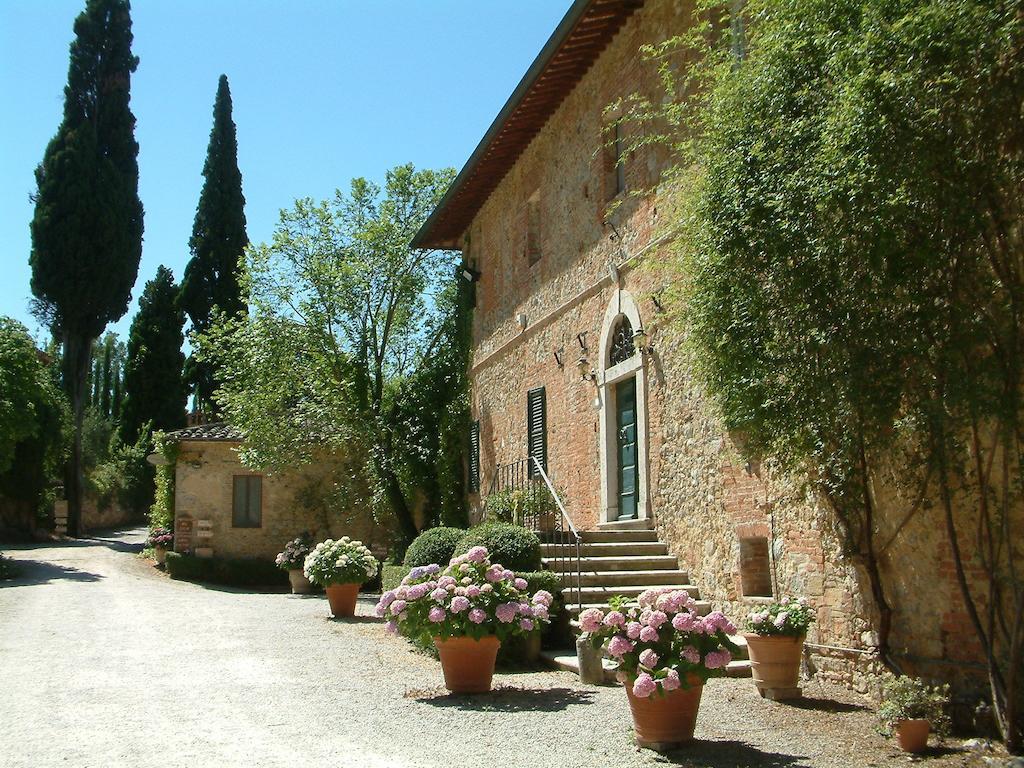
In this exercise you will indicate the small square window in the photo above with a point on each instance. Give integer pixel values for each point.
(247, 501)
(614, 163)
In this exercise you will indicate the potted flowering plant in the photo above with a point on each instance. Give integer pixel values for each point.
(292, 559)
(911, 708)
(665, 654)
(340, 567)
(160, 539)
(775, 641)
(466, 610)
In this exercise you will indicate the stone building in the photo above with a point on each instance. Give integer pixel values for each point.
(573, 362)
(229, 510)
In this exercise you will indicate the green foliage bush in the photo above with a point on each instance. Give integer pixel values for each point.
(125, 478)
(434, 545)
(235, 572)
(513, 546)
(910, 698)
(391, 576)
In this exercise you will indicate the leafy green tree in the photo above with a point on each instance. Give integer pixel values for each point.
(211, 281)
(851, 257)
(346, 323)
(32, 428)
(154, 390)
(87, 227)
(106, 382)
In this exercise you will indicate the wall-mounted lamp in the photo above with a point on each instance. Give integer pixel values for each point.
(469, 274)
(581, 337)
(656, 299)
(586, 372)
(559, 356)
(640, 341)
(521, 319)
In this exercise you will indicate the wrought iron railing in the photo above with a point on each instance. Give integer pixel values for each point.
(521, 492)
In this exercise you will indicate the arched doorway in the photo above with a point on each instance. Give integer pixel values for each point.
(623, 440)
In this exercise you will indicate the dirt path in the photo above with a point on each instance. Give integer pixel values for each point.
(105, 662)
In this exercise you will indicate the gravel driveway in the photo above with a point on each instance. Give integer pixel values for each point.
(106, 662)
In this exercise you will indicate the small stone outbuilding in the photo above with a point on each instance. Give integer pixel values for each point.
(223, 508)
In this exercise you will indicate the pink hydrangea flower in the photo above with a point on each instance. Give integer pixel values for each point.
(649, 634)
(520, 583)
(526, 625)
(477, 554)
(495, 573)
(644, 686)
(472, 591)
(633, 630)
(460, 604)
(717, 659)
(439, 595)
(437, 614)
(684, 622)
(391, 627)
(590, 619)
(525, 609)
(416, 591)
(543, 597)
(656, 619)
(780, 619)
(540, 612)
(506, 612)
(614, 619)
(649, 658)
(397, 607)
(691, 654)
(460, 591)
(446, 581)
(478, 616)
(671, 680)
(486, 588)
(387, 598)
(466, 581)
(619, 646)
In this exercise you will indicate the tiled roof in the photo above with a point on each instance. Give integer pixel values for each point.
(216, 431)
(576, 43)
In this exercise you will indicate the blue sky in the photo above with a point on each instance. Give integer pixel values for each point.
(323, 91)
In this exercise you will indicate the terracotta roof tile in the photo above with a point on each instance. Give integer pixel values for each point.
(216, 431)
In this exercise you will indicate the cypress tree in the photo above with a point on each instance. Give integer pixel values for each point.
(154, 391)
(105, 382)
(115, 397)
(217, 243)
(97, 380)
(87, 226)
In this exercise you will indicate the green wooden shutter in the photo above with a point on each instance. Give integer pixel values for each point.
(474, 457)
(537, 427)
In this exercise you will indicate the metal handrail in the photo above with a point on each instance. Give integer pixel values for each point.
(524, 475)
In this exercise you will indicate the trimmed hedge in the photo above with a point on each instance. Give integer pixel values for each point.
(434, 545)
(391, 576)
(513, 546)
(234, 572)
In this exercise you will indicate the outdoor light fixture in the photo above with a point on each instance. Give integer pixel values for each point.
(640, 341)
(469, 274)
(586, 372)
(559, 354)
(581, 337)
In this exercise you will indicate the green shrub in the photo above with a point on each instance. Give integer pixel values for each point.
(546, 580)
(391, 576)
(434, 545)
(234, 572)
(8, 570)
(511, 545)
(910, 698)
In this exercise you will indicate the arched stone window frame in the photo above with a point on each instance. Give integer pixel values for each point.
(622, 303)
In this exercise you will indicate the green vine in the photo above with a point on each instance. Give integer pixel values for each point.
(162, 511)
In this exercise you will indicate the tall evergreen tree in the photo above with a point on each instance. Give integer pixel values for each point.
(217, 244)
(154, 391)
(87, 227)
(106, 385)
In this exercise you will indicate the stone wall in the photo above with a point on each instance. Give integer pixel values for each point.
(203, 491)
(703, 496)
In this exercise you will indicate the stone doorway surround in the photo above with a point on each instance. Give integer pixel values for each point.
(622, 303)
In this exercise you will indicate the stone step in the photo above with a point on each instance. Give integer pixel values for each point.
(567, 660)
(703, 607)
(615, 563)
(603, 593)
(606, 549)
(627, 525)
(626, 578)
(646, 534)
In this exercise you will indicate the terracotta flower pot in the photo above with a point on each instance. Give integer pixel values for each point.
(300, 584)
(775, 663)
(468, 664)
(663, 721)
(913, 735)
(161, 555)
(342, 598)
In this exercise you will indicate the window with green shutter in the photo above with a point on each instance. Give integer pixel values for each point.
(537, 428)
(247, 501)
(474, 457)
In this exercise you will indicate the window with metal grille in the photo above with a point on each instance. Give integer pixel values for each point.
(537, 428)
(474, 457)
(247, 501)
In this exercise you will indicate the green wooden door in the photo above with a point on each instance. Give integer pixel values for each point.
(625, 422)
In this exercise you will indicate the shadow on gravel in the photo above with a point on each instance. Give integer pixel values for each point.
(41, 572)
(505, 699)
(824, 705)
(355, 620)
(111, 538)
(729, 754)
